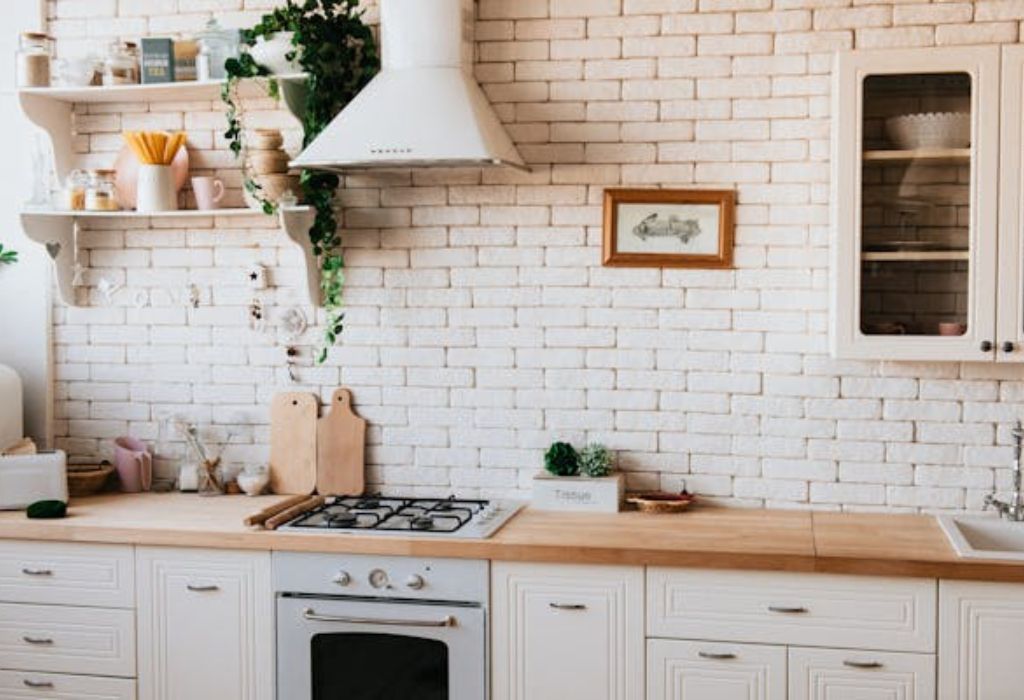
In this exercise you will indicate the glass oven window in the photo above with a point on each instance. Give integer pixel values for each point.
(360, 666)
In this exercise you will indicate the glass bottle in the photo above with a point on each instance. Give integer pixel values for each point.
(100, 193)
(121, 66)
(33, 59)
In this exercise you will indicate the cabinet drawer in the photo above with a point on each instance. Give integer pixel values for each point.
(27, 685)
(67, 574)
(63, 639)
(683, 670)
(799, 609)
(832, 674)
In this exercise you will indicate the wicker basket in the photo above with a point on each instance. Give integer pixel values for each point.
(661, 502)
(86, 480)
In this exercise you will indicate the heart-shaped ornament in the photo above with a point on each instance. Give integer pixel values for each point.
(53, 248)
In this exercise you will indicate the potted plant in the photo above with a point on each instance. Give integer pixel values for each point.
(582, 481)
(328, 42)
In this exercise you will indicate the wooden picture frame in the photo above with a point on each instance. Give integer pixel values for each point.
(672, 240)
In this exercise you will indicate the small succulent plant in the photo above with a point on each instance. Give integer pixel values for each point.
(596, 460)
(561, 459)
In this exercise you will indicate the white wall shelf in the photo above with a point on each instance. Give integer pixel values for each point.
(50, 108)
(58, 232)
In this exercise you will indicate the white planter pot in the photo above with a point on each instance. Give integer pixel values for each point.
(578, 493)
(273, 53)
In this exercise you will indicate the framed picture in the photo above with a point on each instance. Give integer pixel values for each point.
(668, 228)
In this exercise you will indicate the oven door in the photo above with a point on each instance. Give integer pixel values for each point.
(343, 649)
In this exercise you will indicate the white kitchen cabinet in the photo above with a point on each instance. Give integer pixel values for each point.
(917, 266)
(205, 624)
(839, 674)
(564, 631)
(981, 628)
(25, 685)
(686, 670)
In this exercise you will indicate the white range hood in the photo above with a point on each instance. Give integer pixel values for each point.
(424, 109)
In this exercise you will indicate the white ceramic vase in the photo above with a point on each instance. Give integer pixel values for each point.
(156, 190)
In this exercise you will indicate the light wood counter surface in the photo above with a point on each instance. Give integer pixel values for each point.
(896, 545)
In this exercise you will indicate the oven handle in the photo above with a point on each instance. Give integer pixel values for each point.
(310, 614)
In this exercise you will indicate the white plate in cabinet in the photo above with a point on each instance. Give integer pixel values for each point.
(27, 685)
(563, 631)
(55, 573)
(981, 629)
(682, 670)
(799, 609)
(834, 674)
(63, 639)
(206, 624)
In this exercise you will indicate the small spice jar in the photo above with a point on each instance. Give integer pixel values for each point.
(71, 197)
(100, 194)
(33, 60)
(121, 66)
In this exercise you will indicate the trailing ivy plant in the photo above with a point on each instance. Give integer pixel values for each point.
(339, 56)
(8, 256)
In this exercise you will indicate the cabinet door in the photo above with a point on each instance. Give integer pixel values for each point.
(981, 626)
(566, 631)
(678, 670)
(205, 624)
(834, 674)
(1011, 208)
(915, 192)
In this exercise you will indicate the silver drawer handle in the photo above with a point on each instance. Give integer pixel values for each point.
(863, 664)
(568, 606)
(787, 609)
(310, 614)
(715, 655)
(202, 589)
(29, 683)
(37, 572)
(41, 641)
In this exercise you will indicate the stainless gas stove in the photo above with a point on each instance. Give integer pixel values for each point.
(387, 515)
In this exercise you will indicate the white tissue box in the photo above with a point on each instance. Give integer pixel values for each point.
(578, 493)
(26, 479)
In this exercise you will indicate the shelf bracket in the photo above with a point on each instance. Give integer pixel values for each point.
(59, 237)
(53, 117)
(296, 222)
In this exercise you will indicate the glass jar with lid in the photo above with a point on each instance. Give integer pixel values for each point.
(121, 66)
(216, 46)
(101, 193)
(33, 59)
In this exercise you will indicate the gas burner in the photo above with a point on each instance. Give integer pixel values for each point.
(421, 522)
(385, 515)
(343, 519)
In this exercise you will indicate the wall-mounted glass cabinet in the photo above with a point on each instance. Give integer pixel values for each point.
(915, 200)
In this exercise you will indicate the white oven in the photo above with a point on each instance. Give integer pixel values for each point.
(380, 628)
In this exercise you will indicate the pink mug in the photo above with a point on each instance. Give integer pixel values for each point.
(134, 464)
(209, 191)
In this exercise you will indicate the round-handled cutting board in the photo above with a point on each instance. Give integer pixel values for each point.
(341, 445)
(293, 443)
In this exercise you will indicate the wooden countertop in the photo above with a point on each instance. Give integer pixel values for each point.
(886, 545)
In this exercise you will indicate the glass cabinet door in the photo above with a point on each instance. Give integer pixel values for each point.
(916, 239)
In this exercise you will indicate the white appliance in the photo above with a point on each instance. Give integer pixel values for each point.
(363, 626)
(11, 427)
(26, 479)
(424, 108)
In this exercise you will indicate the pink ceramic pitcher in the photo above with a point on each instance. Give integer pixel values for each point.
(134, 464)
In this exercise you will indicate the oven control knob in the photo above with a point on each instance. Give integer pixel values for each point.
(342, 578)
(415, 582)
(379, 578)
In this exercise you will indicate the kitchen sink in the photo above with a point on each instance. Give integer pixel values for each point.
(984, 538)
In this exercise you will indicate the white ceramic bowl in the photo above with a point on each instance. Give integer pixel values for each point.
(273, 53)
(930, 130)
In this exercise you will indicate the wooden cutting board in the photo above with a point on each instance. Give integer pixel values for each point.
(341, 445)
(293, 443)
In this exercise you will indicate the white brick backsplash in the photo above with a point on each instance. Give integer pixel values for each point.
(479, 296)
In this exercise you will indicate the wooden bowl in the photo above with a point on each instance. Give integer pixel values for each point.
(265, 140)
(274, 187)
(268, 162)
(661, 502)
(89, 480)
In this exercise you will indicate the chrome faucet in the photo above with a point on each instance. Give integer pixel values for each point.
(1014, 509)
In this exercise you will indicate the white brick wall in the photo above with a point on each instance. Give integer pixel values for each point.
(481, 325)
